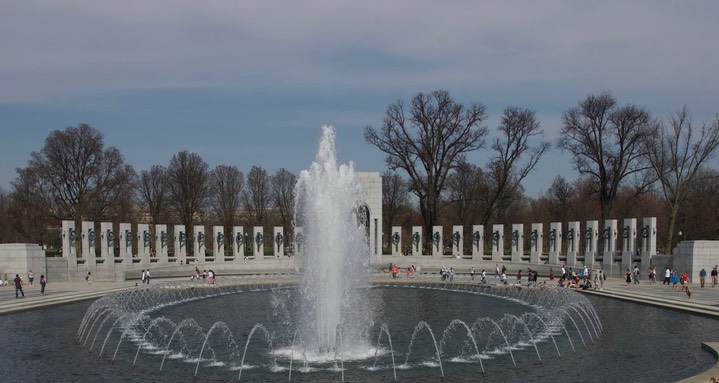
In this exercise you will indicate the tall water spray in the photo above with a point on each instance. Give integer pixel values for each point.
(335, 312)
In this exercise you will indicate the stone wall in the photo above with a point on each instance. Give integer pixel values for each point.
(19, 258)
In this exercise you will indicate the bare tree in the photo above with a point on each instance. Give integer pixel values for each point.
(188, 187)
(560, 196)
(506, 171)
(676, 154)
(283, 195)
(428, 141)
(606, 142)
(74, 176)
(465, 187)
(256, 197)
(226, 185)
(395, 200)
(24, 210)
(152, 191)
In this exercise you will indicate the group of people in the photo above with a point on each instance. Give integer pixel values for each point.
(145, 276)
(206, 275)
(703, 276)
(447, 274)
(396, 271)
(19, 282)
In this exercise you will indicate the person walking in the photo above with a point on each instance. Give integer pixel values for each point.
(30, 277)
(471, 272)
(147, 276)
(43, 282)
(702, 277)
(628, 277)
(18, 286)
(636, 274)
(667, 277)
(714, 275)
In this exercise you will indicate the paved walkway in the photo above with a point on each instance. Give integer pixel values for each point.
(704, 301)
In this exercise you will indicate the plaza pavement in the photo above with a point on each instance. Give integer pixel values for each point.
(704, 301)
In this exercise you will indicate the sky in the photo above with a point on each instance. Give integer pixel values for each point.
(248, 83)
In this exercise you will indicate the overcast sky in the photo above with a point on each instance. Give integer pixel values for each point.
(248, 83)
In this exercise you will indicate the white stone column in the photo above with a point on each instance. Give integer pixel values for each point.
(299, 241)
(258, 246)
(629, 238)
(238, 243)
(126, 238)
(69, 239)
(218, 243)
(144, 243)
(536, 239)
(107, 241)
(395, 240)
(591, 237)
(200, 243)
(573, 237)
(162, 242)
(107, 248)
(180, 240)
(417, 240)
(437, 241)
(497, 242)
(477, 242)
(554, 241)
(649, 240)
(517, 239)
(89, 240)
(609, 239)
(457, 241)
(278, 240)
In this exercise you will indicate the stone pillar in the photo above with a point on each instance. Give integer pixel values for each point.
(278, 240)
(609, 239)
(299, 241)
(126, 237)
(457, 241)
(591, 237)
(517, 242)
(497, 243)
(107, 241)
(477, 242)
(573, 236)
(218, 248)
(144, 243)
(417, 240)
(107, 248)
(89, 241)
(200, 243)
(536, 239)
(238, 242)
(162, 241)
(554, 241)
(180, 237)
(649, 240)
(629, 237)
(395, 240)
(437, 241)
(258, 247)
(69, 248)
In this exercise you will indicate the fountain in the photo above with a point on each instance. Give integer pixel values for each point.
(333, 288)
(323, 324)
